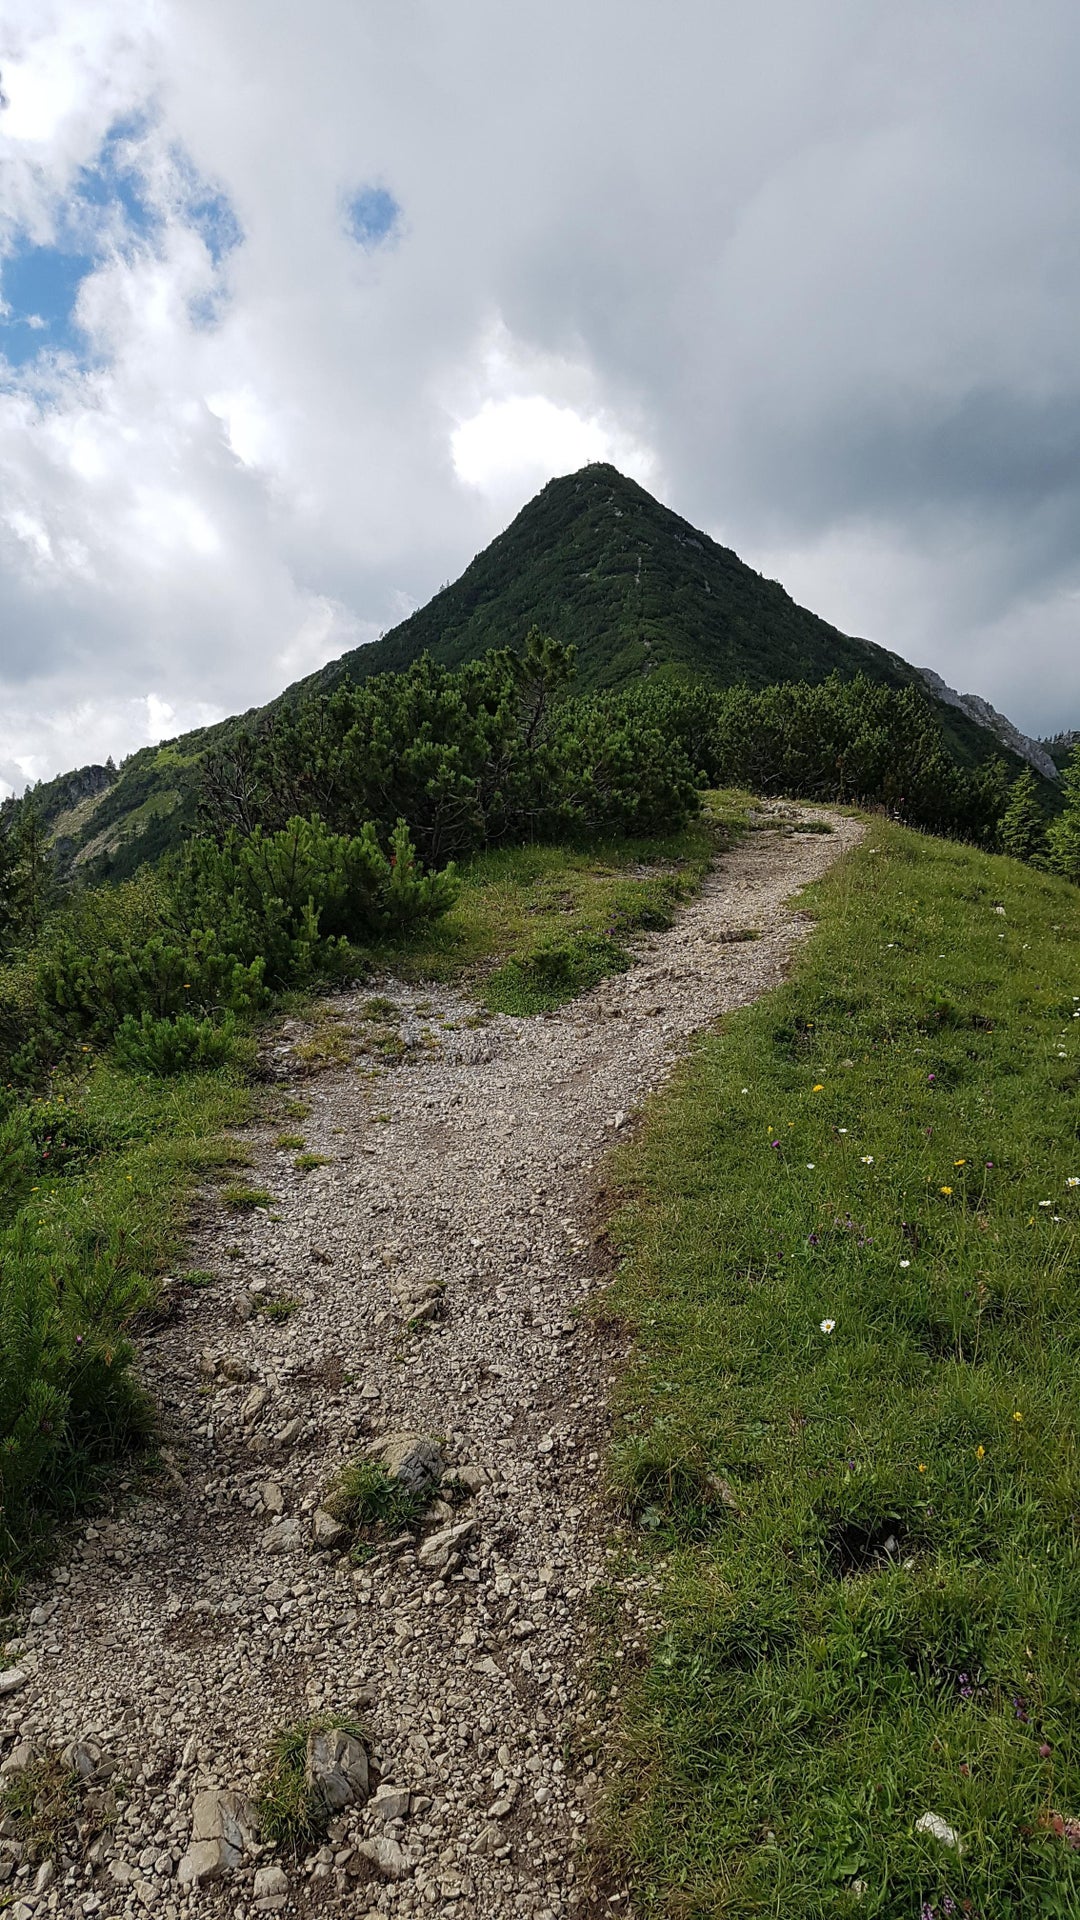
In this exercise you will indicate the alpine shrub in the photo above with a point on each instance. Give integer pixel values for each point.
(181, 1045)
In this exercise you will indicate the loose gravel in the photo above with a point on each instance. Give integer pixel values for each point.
(438, 1263)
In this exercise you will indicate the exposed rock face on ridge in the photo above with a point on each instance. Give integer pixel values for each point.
(985, 715)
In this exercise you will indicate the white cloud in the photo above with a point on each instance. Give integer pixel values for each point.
(808, 273)
(513, 446)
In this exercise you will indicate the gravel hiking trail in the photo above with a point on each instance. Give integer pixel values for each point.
(438, 1264)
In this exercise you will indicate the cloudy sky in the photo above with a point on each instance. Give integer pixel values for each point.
(300, 304)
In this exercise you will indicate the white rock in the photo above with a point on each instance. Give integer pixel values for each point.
(11, 1679)
(386, 1857)
(326, 1530)
(18, 1759)
(390, 1803)
(284, 1536)
(437, 1549)
(413, 1460)
(204, 1860)
(272, 1879)
(938, 1829)
(501, 1807)
(222, 1825)
(82, 1757)
(253, 1405)
(336, 1767)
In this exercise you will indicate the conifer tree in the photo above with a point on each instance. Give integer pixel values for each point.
(1022, 827)
(25, 874)
(1063, 839)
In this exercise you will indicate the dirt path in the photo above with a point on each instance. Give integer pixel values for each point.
(183, 1632)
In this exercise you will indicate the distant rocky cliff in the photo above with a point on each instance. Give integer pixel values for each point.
(985, 715)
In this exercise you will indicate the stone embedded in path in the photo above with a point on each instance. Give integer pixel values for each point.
(437, 1550)
(253, 1405)
(284, 1536)
(385, 1856)
(390, 1803)
(326, 1530)
(336, 1768)
(271, 1889)
(222, 1825)
(413, 1460)
(12, 1679)
(84, 1758)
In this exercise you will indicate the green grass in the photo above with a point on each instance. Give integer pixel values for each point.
(79, 1261)
(277, 1307)
(44, 1806)
(864, 1540)
(246, 1199)
(374, 1507)
(292, 1817)
(305, 1162)
(535, 926)
(290, 1142)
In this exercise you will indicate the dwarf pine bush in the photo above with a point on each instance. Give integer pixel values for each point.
(156, 964)
(182, 1045)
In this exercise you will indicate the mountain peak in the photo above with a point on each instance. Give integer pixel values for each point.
(598, 563)
(595, 560)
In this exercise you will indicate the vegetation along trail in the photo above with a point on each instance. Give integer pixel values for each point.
(410, 1262)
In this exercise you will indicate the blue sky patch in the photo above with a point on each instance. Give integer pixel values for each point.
(109, 211)
(112, 183)
(371, 215)
(209, 211)
(39, 287)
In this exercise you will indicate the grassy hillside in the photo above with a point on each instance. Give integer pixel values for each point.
(593, 560)
(849, 1442)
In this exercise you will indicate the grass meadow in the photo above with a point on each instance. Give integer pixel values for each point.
(847, 1444)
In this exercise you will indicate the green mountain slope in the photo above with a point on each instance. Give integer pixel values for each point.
(594, 560)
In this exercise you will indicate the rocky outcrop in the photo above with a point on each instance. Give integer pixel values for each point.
(984, 715)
